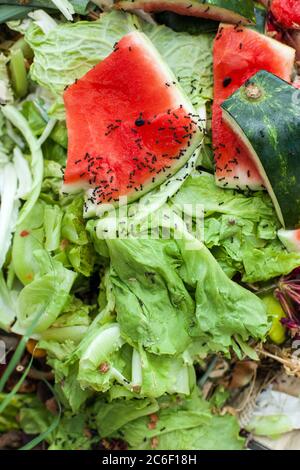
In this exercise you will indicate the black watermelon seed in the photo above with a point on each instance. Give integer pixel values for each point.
(226, 81)
(139, 122)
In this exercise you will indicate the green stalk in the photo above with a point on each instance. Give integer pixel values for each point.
(17, 119)
(18, 73)
(24, 46)
(13, 362)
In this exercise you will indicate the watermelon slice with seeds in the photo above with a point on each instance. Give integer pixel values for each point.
(130, 126)
(239, 53)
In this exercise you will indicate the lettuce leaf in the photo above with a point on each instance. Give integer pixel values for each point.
(154, 308)
(79, 249)
(240, 229)
(27, 240)
(9, 417)
(225, 310)
(261, 264)
(103, 359)
(36, 162)
(109, 417)
(45, 297)
(70, 433)
(182, 424)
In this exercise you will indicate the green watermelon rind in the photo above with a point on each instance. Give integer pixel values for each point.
(262, 125)
(195, 142)
(230, 11)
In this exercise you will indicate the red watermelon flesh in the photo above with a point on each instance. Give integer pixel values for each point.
(239, 53)
(129, 125)
(286, 13)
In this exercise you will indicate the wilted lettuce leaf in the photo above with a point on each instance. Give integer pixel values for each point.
(162, 374)
(201, 188)
(45, 297)
(67, 330)
(34, 417)
(79, 249)
(183, 424)
(264, 263)
(82, 258)
(157, 312)
(59, 135)
(109, 417)
(103, 358)
(79, 5)
(106, 299)
(206, 437)
(73, 226)
(27, 240)
(52, 225)
(70, 433)
(74, 313)
(9, 417)
(69, 390)
(54, 152)
(240, 229)
(154, 308)
(51, 185)
(224, 309)
(34, 117)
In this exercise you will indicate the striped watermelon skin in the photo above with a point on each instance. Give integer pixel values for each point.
(230, 11)
(239, 53)
(265, 113)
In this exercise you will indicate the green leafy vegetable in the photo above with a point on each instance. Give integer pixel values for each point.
(182, 424)
(241, 230)
(18, 120)
(9, 418)
(46, 295)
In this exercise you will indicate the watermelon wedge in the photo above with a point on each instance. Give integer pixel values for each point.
(286, 13)
(130, 126)
(229, 11)
(238, 54)
(265, 113)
